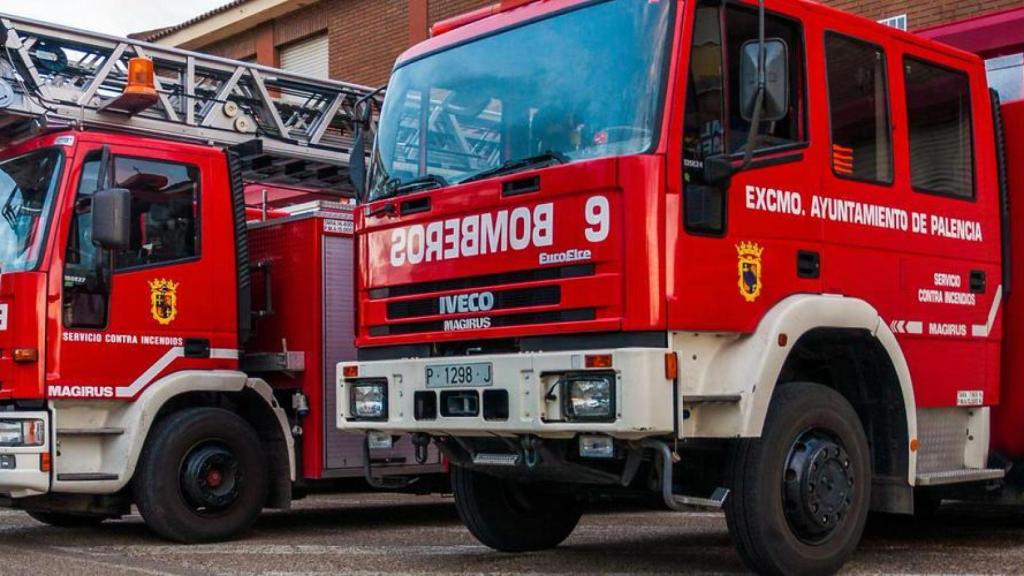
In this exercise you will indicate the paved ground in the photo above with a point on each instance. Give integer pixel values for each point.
(373, 534)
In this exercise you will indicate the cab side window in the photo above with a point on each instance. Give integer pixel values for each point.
(858, 97)
(741, 27)
(165, 211)
(941, 139)
(86, 276)
(713, 124)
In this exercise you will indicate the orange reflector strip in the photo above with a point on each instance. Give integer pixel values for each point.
(598, 361)
(26, 355)
(915, 444)
(44, 462)
(671, 366)
(350, 371)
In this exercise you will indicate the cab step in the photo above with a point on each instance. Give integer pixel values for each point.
(712, 399)
(90, 431)
(960, 476)
(86, 477)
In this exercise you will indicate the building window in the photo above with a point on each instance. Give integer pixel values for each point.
(1006, 75)
(939, 115)
(897, 22)
(859, 110)
(307, 57)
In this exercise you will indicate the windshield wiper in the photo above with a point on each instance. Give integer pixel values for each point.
(542, 160)
(395, 187)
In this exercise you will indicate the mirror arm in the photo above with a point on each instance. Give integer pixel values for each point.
(762, 87)
(104, 168)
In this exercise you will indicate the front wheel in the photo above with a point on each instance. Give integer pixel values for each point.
(202, 476)
(800, 493)
(512, 516)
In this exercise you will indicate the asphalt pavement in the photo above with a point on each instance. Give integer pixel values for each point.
(370, 534)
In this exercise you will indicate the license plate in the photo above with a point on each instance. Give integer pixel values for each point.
(459, 375)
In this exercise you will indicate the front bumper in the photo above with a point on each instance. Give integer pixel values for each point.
(644, 397)
(22, 475)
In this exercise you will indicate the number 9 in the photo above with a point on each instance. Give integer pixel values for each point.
(596, 213)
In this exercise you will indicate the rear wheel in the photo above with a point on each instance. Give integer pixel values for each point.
(202, 476)
(800, 493)
(512, 516)
(65, 520)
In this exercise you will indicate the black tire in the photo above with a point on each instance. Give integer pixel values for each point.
(65, 520)
(781, 525)
(510, 516)
(202, 476)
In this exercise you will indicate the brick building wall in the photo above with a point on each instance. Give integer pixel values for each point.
(924, 13)
(366, 36)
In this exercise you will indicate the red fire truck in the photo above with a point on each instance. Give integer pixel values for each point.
(156, 349)
(733, 254)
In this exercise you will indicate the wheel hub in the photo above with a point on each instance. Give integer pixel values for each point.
(818, 488)
(210, 477)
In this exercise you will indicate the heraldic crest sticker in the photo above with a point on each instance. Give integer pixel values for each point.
(749, 263)
(163, 300)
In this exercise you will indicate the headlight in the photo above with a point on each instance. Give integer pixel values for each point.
(589, 396)
(368, 400)
(22, 433)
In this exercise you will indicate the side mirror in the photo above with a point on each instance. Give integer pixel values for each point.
(718, 171)
(357, 163)
(111, 218)
(364, 108)
(775, 105)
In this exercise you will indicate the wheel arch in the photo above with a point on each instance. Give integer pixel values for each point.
(804, 327)
(252, 399)
(256, 404)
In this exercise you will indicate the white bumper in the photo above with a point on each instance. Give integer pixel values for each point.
(644, 397)
(21, 475)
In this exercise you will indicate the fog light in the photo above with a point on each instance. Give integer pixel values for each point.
(589, 396)
(22, 433)
(369, 399)
(597, 447)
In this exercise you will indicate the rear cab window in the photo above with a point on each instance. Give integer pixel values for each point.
(940, 129)
(858, 99)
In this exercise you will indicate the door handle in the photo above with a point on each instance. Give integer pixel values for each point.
(197, 348)
(978, 281)
(808, 264)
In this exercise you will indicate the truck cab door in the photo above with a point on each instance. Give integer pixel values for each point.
(130, 316)
(745, 244)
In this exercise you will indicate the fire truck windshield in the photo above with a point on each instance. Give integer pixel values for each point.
(584, 83)
(28, 185)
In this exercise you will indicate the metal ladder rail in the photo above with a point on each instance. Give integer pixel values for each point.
(71, 76)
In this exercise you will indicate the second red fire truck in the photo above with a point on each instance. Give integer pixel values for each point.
(740, 255)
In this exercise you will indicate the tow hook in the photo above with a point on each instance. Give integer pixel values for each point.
(531, 457)
(421, 441)
(676, 501)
